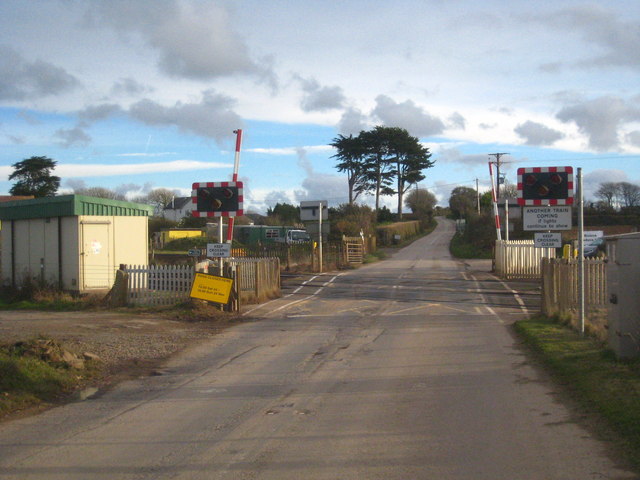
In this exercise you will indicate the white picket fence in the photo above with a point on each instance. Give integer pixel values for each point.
(520, 259)
(257, 279)
(159, 284)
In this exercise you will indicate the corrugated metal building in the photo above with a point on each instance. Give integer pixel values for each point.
(71, 241)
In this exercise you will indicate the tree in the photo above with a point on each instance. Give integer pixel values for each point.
(34, 177)
(462, 202)
(283, 214)
(99, 192)
(351, 156)
(351, 219)
(608, 193)
(378, 169)
(421, 202)
(158, 198)
(629, 194)
(509, 191)
(486, 200)
(410, 158)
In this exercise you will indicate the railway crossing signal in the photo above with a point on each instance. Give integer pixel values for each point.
(217, 199)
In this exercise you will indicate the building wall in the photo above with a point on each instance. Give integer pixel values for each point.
(623, 272)
(79, 252)
(36, 253)
(107, 242)
(131, 244)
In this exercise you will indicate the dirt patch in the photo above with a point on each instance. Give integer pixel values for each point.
(128, 344)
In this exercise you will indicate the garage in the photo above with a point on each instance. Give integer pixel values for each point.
(71, 242)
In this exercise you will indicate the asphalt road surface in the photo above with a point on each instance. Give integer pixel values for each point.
(404, 369)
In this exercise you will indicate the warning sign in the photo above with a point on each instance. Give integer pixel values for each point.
(211, 288)
(547, 240)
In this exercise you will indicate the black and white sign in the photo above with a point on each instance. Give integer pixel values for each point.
(547, 240)
(547, 218)
(218, 250)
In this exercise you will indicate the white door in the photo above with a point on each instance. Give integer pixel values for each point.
(98, 272)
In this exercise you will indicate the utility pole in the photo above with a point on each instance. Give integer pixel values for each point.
(478, 196)
(497, 162)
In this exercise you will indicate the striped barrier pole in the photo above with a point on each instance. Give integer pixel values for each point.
(495, 202)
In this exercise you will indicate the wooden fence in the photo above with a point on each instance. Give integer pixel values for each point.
(256, 279)
(520, 259)
(560, 292)
(158, 285)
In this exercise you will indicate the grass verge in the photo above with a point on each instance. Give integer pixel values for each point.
(459, 248)
(49, 299)
(33, 373)
(594, 378)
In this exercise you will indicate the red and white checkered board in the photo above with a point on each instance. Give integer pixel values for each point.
(523, 171)
(194, 199)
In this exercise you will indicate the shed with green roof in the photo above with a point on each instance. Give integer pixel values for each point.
(73, 242)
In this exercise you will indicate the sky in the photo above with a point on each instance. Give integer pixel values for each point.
(135, 95)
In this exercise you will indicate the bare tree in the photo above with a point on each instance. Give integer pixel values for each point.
(608, 193)
(99, 192)
(629, 194)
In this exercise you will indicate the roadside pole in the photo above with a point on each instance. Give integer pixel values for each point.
(506, 219)
(320, 236)
(495, 203)
(580, 252)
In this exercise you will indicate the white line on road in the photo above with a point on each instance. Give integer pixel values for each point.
(516, 295)
(300, 300)
(484, 300)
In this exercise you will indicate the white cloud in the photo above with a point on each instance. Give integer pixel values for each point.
(537, 134)
(22, 80)
(407, 115)
(194, 40)
(69, 170)
(290, 150)
(69, 137)
(352, 122)
(212, 117)
(319, 98)
(600, 26)
(600, 119)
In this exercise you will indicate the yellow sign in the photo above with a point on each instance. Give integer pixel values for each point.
(211, 288)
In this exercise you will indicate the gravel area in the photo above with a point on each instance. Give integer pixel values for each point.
(125, 342)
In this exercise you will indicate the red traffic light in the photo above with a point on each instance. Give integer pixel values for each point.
(217, 199)
(545, 186)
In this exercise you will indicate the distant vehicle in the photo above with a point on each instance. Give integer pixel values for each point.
(265, 234)
(592, 249)
(297, 236)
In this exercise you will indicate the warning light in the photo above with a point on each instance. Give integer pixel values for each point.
(217, 199)
(545, 186)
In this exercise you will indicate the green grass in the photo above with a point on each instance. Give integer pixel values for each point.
(45, 299)
(374, 256)
(459, 248)
(27, 380)
(593, 377)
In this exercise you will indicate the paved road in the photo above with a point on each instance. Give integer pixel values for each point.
(405, 369)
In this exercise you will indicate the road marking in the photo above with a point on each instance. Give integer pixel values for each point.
(485, 301)
(524, 308)
(300, 300)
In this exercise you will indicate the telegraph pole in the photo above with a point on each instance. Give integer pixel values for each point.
(497, 162)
